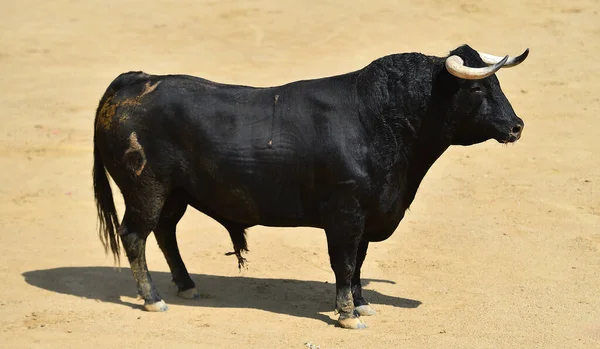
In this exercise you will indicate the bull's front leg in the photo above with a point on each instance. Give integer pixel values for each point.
(361, 305)
(343, 238)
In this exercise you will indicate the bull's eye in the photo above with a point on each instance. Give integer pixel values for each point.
(476, 97)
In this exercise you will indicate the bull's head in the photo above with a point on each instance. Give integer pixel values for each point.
(479, 110)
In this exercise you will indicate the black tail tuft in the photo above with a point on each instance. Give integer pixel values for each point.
(238, 237)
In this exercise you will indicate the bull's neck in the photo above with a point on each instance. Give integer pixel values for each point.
(420, 157)
(411, 117)
(426, 140)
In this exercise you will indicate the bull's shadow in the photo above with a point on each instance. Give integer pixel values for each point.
(284, 296)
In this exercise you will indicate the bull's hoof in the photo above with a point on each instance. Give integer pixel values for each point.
(365, 310)
(191, 293)
(351, 322)
(156, 307)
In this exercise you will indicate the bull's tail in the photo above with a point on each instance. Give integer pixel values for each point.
(108, 221)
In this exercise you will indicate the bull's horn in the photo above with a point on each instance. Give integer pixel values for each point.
(512, 61)
(456, 66)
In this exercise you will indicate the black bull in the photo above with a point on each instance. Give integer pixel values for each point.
(344, 153)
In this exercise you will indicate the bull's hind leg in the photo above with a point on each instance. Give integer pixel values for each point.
(165, 234)
(141, 217)
(361, 305)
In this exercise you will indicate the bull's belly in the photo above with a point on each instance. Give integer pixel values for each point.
(267, 205)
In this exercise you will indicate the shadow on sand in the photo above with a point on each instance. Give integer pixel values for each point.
(284, 296)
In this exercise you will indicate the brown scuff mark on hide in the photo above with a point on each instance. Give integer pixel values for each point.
(107, 112)
(137, 100)
(123, 117)
(109, 108)
(129, 102)
(135, 147)
(149, 88)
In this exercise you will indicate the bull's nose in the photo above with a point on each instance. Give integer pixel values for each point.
(517, 129)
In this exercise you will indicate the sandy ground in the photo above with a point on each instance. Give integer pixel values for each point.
(500, 248)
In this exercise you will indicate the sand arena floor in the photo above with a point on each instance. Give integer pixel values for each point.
(500, 248)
